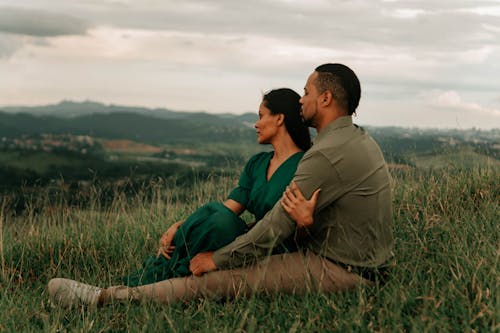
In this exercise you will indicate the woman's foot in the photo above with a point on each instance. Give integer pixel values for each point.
(69, 293)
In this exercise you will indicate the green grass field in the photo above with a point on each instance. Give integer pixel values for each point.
(446, 280)
(37, 161)
(463, 158)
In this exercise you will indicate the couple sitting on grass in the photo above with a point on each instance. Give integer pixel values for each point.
(334, 241)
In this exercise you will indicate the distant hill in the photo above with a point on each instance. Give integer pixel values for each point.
(163, 126)
(121, 122)
(70, 109)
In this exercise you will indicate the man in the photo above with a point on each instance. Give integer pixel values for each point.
(348, 241)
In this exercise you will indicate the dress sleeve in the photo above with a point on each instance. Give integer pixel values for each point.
(241, 193)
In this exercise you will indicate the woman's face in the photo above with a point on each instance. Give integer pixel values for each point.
(267, 125)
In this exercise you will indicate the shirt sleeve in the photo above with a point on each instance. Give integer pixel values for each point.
(241, 193)
(317, 171)
(276, 225)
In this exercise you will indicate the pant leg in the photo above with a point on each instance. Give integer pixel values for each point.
(290, 273)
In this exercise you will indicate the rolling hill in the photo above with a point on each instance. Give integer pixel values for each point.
(116, 122)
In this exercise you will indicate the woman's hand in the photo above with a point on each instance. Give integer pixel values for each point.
(297, 207)
(202, 263)
(166, 247)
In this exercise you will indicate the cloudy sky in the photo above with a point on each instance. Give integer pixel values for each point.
(421, 63)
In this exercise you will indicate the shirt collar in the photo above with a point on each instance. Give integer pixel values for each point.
(340, 122)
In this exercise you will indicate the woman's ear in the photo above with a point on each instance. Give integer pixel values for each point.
(280, 120)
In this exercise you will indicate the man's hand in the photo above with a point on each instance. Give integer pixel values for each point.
(202, 263)
(166, 248)
(297, 207)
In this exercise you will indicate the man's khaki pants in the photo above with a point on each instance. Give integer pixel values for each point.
(290, 273)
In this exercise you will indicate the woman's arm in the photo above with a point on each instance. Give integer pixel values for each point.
(235, 206)
(166, 247)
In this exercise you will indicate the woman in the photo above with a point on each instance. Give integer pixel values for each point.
(261, 185)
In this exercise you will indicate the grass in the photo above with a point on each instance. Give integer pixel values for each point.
(34, 160)
(446, 279)
(465, 157)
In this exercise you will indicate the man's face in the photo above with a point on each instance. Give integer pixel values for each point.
(309, 101)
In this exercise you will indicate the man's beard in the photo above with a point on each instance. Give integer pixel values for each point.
(307, 122)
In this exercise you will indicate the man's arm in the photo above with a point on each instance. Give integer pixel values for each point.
(259, 241)
(313, 172)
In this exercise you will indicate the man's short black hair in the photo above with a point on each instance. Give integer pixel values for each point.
(342, 82)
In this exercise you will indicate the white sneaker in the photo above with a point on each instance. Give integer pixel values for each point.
(69, 293)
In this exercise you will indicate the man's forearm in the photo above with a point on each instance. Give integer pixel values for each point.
(258, 242)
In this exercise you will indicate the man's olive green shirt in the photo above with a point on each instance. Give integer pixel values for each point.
(353, 215)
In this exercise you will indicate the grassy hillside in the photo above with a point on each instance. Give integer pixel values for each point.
(464, 158)
(447, 248)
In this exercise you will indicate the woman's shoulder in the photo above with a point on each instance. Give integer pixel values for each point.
(262, 157)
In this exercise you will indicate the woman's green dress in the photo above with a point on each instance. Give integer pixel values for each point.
(213, 225)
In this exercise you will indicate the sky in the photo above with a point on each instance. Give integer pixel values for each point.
(421, 63)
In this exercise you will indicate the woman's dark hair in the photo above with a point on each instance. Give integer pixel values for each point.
(286, 101)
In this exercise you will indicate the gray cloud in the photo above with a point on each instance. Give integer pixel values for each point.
(444, 25)
(8, 45)
(39, 23)
(440, 25)
(401, 49)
